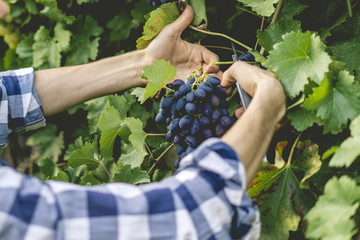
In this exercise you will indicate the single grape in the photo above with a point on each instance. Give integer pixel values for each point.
(226, 121)
(204, 121)
(160, 118)
(173, 108)
(170, 85)
(207, 87)
(185, 131)
(246, 57)
(190, 108)
(224, 112)
(177, 95)
(177, 163)
(219, 130)
(190, 81)
(200, 93)
(190, 97)
(213, 80)
(191, 140)
(184, 89)
(180, 104)
(185, 121)
(189, 149)
(174, 125)
(220, 91)
(215, 100)
(180, 148)
(178, 139)
(195, 127)
(206, 133)
(168, 120)
(177, 83)
(207, 110)
(215, 116)
(169, 136)
(224, 103)
(165, 102)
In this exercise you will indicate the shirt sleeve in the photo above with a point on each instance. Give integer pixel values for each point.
(20, 107)
(204, 199)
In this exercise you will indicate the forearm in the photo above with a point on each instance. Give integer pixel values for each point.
(61, 88)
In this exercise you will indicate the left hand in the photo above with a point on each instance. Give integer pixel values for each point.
(184, 56)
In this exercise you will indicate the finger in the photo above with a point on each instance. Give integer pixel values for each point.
(209, 58)
(183, 21)
(239, 112)
(4, 9)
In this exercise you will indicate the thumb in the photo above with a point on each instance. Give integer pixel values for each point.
(183, 21)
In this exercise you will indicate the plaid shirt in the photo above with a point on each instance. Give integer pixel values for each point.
(204, 199)
(20, 107)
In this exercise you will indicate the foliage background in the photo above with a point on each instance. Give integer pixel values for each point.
(311, 185)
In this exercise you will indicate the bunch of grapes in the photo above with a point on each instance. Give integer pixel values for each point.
(158, 3)
(194, 111)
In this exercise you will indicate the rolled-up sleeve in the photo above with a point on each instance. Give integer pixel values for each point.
(20, 107)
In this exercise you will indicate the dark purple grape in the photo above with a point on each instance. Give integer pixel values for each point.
(215, 100)
(190, 97)
(206, 133)
(177, 95)
(224, 112)
(220, 91)
(215, 116)
(189, 149)
(168, 120)
(190, 81)
(195, 127)
(178, 139)
(177, 83)
(160, 118)
(185, 121)
(180, 148)
(174, 125)
(207, 87)
(185, 131)
(170, 85)
(213, 80)
(184, 89)
(207, 110)
(169, 136)
(204, 121)
(191, 140)
(219, 130)
(190, 108)
(180, 104)
(226, 121)
(183, 155)
(165, 102)
(246, 57)
(200, 93)
(177, 163)
(224, 103)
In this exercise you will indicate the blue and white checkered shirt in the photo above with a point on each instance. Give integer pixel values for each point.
(204, 199)
(20, 107)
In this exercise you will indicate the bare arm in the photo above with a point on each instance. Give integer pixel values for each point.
(250, 136)
(61, 88)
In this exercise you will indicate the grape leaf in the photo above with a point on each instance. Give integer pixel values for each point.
(88, 155)
(136, 151)
(85, 44)
(157, 75)
(121, 104)
(120, 27)
(159, 18)
(24, 51)
(48, 141)
(47, 50)
(301, 119)
(261, 7)
(298, 57)
(10, 33)
(86, 1)
(331, 217)
(89, 179)
(199, 12)
(141, 9)
(61, 176)
(341, 104)
(131, 175)
(291, 8)
(95, 108)
(52, 11)
(78, 143)
(274, 32)
(139, 93)
(349, 149)
(47, 168)
(31, 6)
(313, 101)
(276, 189)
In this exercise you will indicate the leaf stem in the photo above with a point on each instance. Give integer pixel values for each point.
(261, 29)
(157, 159)
(155, 134)
(246, 10)
(107, 171)
(151, 155)
(349, 8)
(298, 102)
(225, 48)
(221, 63)
(293, 149)
(221, 35)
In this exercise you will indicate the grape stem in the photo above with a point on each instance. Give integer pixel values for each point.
(298, 102)
(157, 159)
(221, 35)
(292, 150)
(349, 8)
(155, 134)
(107, 171)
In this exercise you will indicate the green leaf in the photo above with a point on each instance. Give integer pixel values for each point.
(302, 119)
(349, 149)
(139, 93)
(24, 51)
(276, 189)
(110, 125)
(47, 49)
(61, 176)
(332, 215)
(89, 180)
(319, 93)
(131, 175)
(95, 107)
(261, 7)
(85, 44)
(47, 142)
(159, 18)
(88, 155)
(10, 33)
(291, 8)
(47, 168)
(52, 11)
(78, 143)
(120, 27)
(341, 104)
(31, 6)
(121, 104)
(86, 1)
(274, 32)
(136, 151)
(297, 58)
(199, 12)
(157, 75)
(141, 9)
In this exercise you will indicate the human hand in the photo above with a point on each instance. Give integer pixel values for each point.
(4, 9)
(185, 56)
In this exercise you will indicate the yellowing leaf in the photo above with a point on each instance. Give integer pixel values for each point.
(261, 7)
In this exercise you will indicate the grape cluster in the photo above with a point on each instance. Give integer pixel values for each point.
(194, 111)
(158, 3)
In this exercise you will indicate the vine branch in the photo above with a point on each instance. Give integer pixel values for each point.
(158, 158)
(293, 149)
(107, 171)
